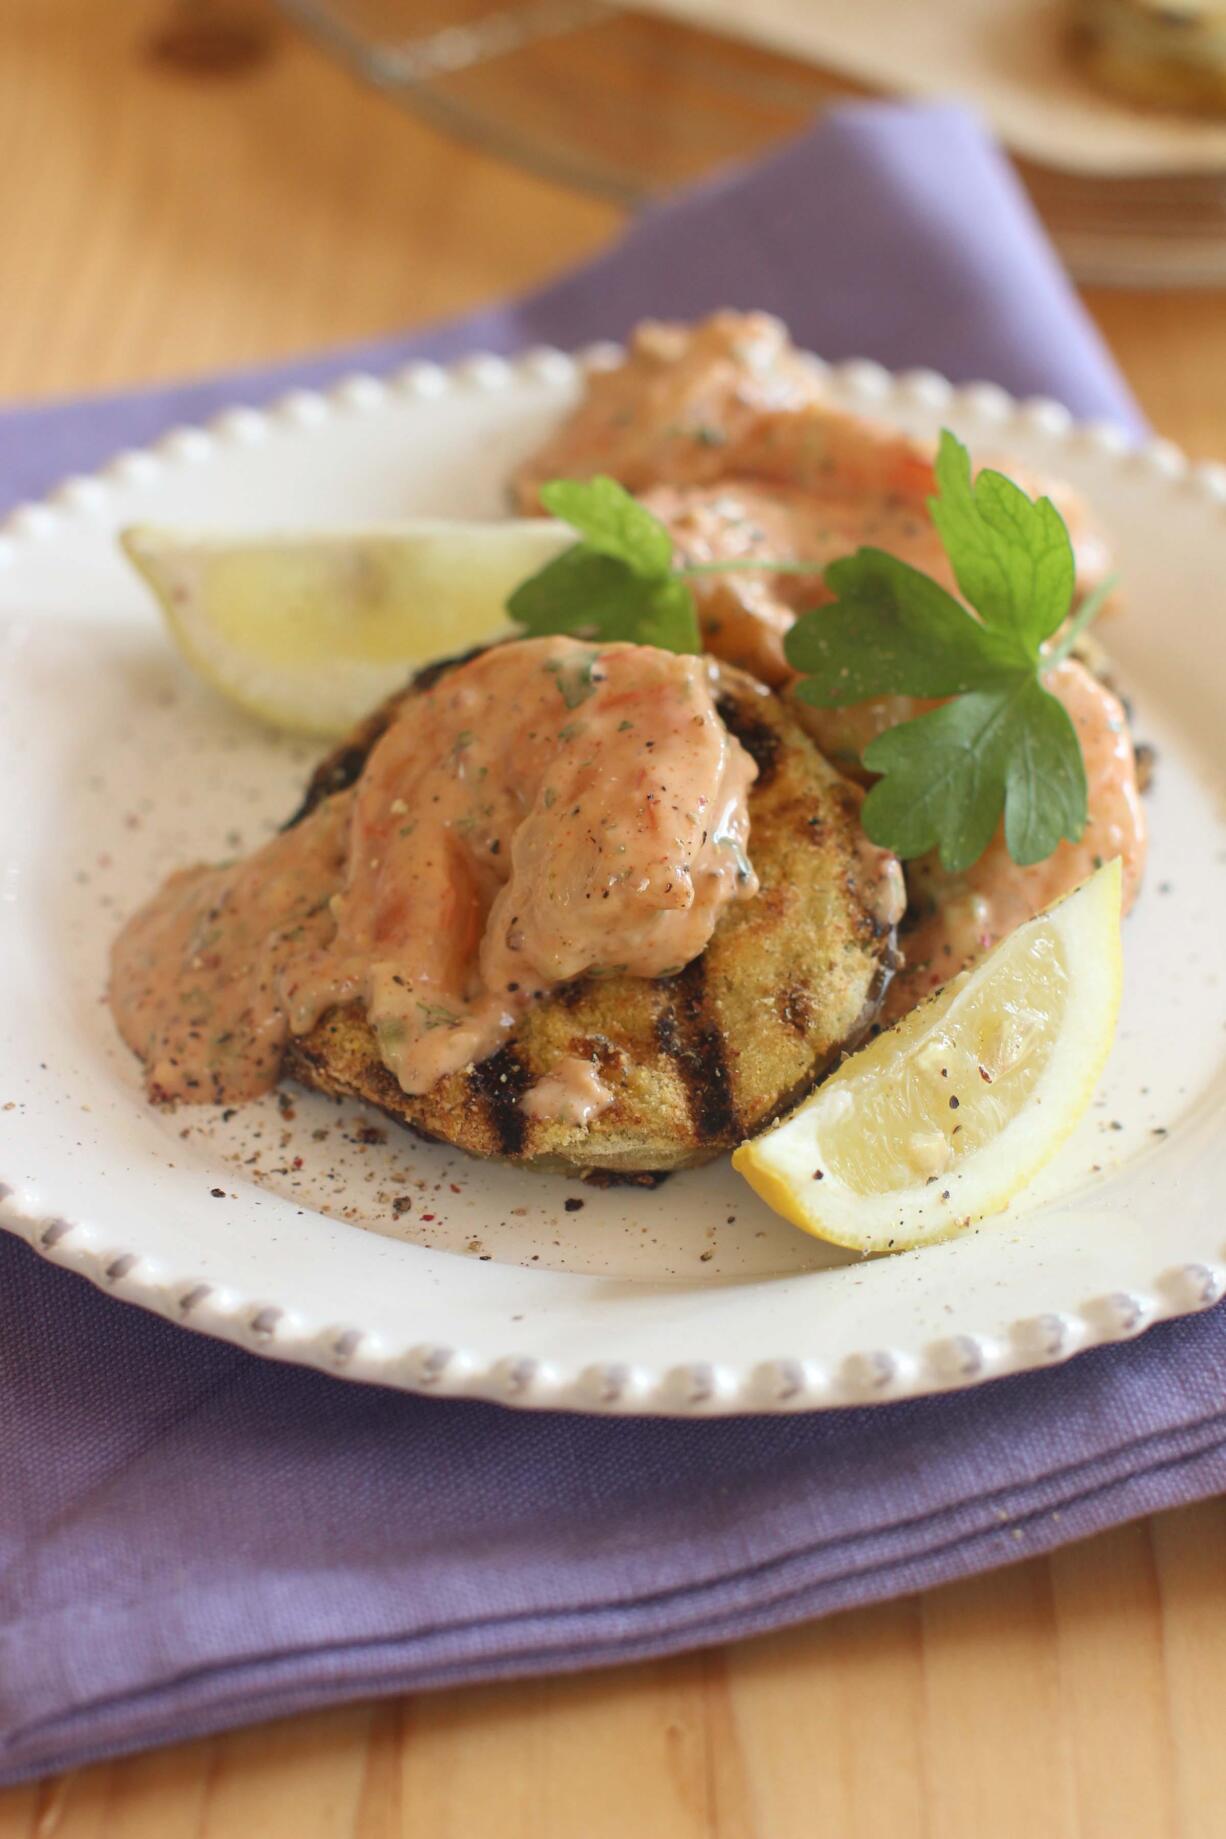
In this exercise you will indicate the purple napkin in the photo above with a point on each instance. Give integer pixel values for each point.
(891, 232)
(192, 1538)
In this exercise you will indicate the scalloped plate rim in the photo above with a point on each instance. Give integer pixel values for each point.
(967, 1355)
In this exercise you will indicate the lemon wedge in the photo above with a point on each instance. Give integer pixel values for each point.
(940, 1120)
(310, 632)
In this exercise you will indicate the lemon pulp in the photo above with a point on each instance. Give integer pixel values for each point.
(922, 1111)
(943, 1118)
(310, 632)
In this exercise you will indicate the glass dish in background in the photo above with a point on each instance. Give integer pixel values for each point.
(628, 106)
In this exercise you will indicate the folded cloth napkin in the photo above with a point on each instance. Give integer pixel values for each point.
(897, 233)
(193, 1538)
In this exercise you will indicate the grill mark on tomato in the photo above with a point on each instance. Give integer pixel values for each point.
(571, 995)
(693, 1040)
(796, 1009)
(336, 774)
(757, 736)
(498, 1084)
(345, 766)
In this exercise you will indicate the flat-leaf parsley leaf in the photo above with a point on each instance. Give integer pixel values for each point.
(618, 583)
(1003, 741)
(611, 521)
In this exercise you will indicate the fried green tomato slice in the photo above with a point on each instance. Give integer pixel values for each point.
(695, 1062)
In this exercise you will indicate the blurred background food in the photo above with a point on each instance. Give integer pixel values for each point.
(1168, 54)
(242, 179)
(1132, 192)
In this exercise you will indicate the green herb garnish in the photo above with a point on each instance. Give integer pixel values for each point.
(575, 678)
(1002, 741)
(618, 582)
(437, 1015)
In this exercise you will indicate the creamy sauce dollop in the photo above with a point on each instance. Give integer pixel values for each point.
(677, 405)
(733, 441)
(745, 615)
(196, 973)
(572, 1092)
(549, 810)
(962, 916)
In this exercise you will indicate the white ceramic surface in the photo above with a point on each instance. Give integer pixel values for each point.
(316, 1233)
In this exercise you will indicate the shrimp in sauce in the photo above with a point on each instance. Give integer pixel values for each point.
(546, 811)
(731, 402)
(726, 432)
(962, 916)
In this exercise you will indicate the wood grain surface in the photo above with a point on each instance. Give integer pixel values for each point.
(160, 220)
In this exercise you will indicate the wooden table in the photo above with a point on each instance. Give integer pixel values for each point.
(158, 222)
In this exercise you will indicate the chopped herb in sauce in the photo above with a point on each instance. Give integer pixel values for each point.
(438, 1015)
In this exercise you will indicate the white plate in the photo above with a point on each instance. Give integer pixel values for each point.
(312, 1232)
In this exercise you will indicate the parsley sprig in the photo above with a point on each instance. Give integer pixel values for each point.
(619, 581)
(1000, 741)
